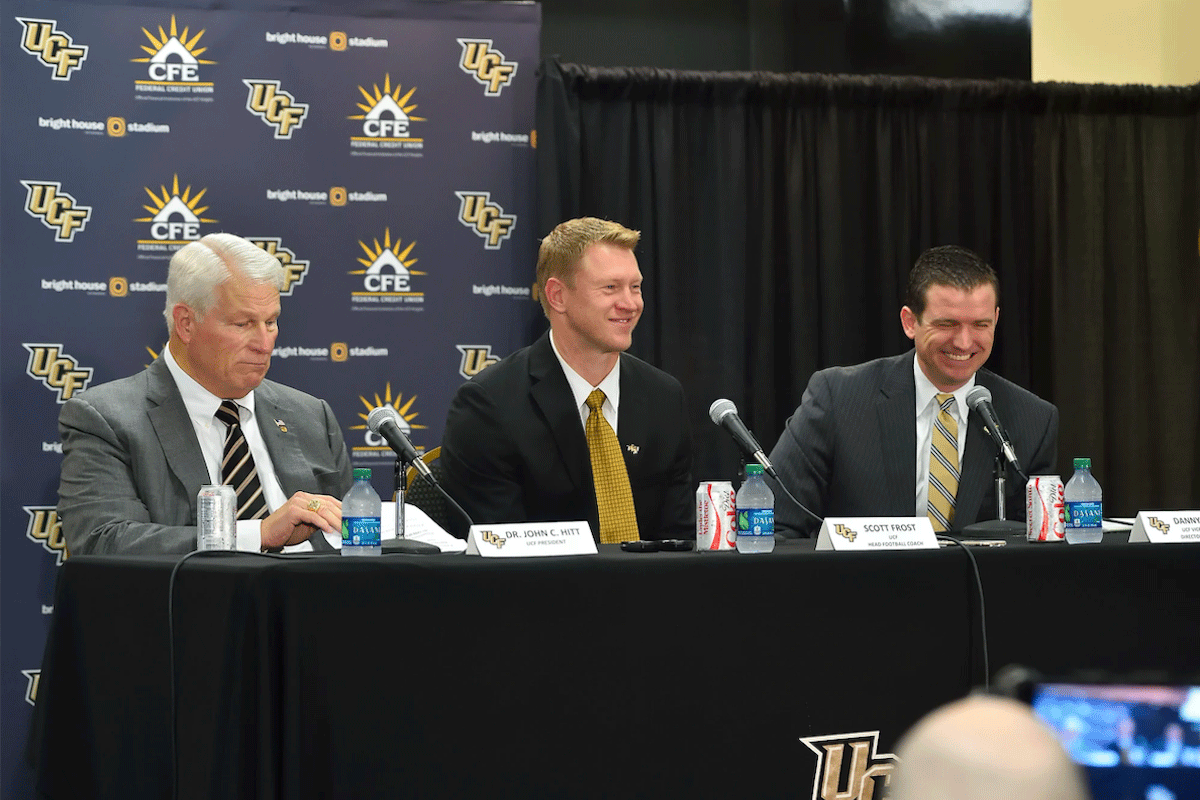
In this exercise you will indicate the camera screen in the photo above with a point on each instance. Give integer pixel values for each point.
(1136, 742)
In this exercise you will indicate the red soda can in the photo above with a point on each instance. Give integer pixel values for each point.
(715, 518)
(1044, 520)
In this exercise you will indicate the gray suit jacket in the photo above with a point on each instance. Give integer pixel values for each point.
(132, 466)
(849, 450)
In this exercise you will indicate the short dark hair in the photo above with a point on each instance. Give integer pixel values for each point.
(948, 265)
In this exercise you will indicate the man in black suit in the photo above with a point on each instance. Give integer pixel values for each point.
(515, 449)
(860, 442)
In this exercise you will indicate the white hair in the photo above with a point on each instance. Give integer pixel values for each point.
(198, 268)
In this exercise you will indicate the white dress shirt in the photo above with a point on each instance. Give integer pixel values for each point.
(927, 411)
(580, 389)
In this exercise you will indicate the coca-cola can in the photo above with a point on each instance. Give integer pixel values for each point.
(716, 527)
(1044, 509)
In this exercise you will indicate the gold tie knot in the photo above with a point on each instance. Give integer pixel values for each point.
(945, 401)
(595, 400)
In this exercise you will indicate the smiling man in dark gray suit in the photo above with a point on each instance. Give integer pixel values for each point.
(860, 442)
(515, 448)
(136, 451)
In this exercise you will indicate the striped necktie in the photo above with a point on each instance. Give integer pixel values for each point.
(943, 465)
(237, 465)
(614, 498)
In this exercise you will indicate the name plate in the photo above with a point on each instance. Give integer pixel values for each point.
(876, 533)
(526, 539)
(1166, 526)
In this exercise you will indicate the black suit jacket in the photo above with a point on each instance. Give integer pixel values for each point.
(849, 450)
(514, 448)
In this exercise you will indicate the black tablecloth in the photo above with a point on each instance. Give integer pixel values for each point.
(664, 674)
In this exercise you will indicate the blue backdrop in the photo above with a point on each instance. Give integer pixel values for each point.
(388, 162)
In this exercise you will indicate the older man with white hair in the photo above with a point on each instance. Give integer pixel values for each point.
(137, 450)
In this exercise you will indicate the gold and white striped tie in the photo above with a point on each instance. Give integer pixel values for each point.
(943, 465)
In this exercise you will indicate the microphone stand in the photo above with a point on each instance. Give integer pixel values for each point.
(402, 544)
(999, 527)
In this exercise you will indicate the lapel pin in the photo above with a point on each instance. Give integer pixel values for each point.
(282, 425)
(633, 448)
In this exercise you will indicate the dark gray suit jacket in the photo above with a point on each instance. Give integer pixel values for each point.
(514, 448)
(850, 449)
(132, 466)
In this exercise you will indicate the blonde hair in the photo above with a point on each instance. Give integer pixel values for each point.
(563, 247)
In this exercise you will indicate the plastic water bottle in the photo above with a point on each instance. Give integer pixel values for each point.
(361, 518)
(755, 513)
(1082, 500)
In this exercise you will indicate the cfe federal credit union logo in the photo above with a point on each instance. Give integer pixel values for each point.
(175, 217)
(849, 766)
(477, 211)
(57, 371)
(275, 106)
(387, 277)
(486, 65)
(374, 445)
(294, 268)
(45, 528)
(386, 119)
(173, 66)
(57, 210)
(53, 47)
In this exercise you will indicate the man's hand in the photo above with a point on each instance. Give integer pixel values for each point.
(300, 517)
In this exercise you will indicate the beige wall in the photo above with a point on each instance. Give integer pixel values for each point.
(1117, 41)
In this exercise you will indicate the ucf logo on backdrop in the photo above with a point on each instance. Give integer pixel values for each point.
(487, 65)
(58, 211)
(57, 371)
(477, 211)
(52, 47)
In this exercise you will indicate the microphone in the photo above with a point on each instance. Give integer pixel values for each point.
(383, 421)
(724, 413)
(979, 400)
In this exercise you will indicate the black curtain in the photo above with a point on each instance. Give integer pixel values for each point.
(782, 213)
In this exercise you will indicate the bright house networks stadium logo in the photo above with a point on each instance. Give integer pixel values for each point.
(477, 211)
(386, 118)
(274, 106)
(849, 766)
(175, 217)
(57, 210)
(294, 269)
(52, 47)
(373, 445)
(387, 277)
(57, 371)
(173, 64)
(487, 65)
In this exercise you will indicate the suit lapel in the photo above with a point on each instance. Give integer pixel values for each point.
(291, 468)
(552, 395)
(169, 417)
(633, 425)
(896, 414)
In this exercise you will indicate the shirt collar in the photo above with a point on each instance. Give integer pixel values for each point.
(580, 388)
(200, 402)
(927, 393)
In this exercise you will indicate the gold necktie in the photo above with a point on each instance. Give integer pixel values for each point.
(614, 498)
(943, 466)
